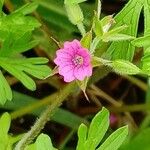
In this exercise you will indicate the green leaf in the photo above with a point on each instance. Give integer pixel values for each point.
(5, 121)
(21, 76)
(124, 50)
(18, 24)
(146, 17)
(96, 132)
(50, 10)
(70, 2)
(97, 26)
(16, 37)
(86, 40)
(82, 136)
(38, 71)
(5, 90)
(94, 44)
(16, 33)
(145, 59)
(83, 85)
(43, 142)
(18, 69)
(116, 37)
(34, 60)
(1, 6)
(118, 29)
(146, 64)
(107, 22)
(96, 61)
(74, 13)
(114, 141)
(30, 147)
(13, 46)
(140, 141)
(125, 67)
(32, 66)
(27, 8)
(21, 46)
(119, 66)
(98, 128)
(142, 41)
(4, 128)
(99, 5)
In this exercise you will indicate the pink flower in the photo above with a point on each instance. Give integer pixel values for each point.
(73, 61)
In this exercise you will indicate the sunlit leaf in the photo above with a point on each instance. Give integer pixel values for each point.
(114, 141)
(33, 66)
(43, 142)
(75, 14)
(98, 128)
(70, 2)
(5, 90)
(125, 67)
(139, 141)
(4, 128)
(97, 26)
(4, 124)
(124, 50)
(82, 136)
(117, 37)
(142, 41)
(13, 46)
(86, 40)
(27, 9)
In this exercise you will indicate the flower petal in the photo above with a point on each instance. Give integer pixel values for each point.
(67, 73)
(69, 77)
(62, 61)
(64, 53)
(83, 52)
(75, 43)
(65, 69)
(88, 70)
(82, 72)
(72, 46)
(66, 66)
(78, 73)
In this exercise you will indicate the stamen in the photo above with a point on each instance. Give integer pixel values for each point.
(78, 60)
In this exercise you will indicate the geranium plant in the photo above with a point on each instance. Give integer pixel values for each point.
(72, 64)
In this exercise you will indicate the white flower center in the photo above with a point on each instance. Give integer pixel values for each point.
(78, 60)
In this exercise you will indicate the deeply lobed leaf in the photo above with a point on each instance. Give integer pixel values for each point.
(18, 69)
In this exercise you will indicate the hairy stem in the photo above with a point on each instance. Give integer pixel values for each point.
(131, 108)
(40, 123)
